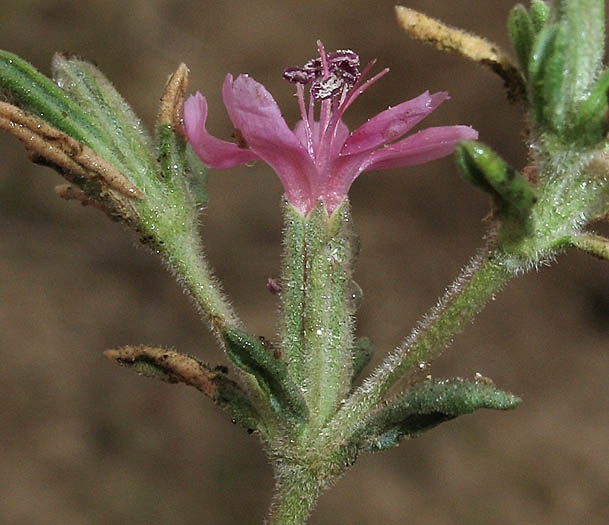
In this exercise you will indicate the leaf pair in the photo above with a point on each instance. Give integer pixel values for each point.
(81, 126)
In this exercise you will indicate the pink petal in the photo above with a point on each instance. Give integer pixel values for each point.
(257, 117)
(214, 153)
(392, 123)
(429, 144)
(426, 145)
(341, 134)
(344, 172)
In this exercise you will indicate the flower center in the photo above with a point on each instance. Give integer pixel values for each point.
(335, 81)
(329, 74)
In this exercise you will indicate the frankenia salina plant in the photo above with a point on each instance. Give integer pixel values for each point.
(301, 391)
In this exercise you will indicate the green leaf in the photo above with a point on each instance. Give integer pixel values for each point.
(196, 178)
(96, 95)
(583, 23)
(256, 356)
(522, 34)
(540, 12)
(23, 85)
(425, 406)
(541, 54)
(555, 97)
(484, 168)
(591, 123)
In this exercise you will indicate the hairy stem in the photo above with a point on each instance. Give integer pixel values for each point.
(184, 257)
(296, 493)
(464, 299)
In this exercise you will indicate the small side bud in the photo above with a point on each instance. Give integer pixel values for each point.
(485, 169)
(172, 99)
(546, 78)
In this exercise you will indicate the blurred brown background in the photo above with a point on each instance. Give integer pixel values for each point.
(84, 442)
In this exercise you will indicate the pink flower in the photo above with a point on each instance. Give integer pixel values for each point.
(319, 159)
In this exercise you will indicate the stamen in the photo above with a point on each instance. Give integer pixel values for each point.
(351, 94)
(358, 91)
(324, 59)
(297, 75)
(311, 109)
(303, 114)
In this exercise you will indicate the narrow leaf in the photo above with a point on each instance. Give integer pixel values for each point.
(173, 367)
(522, 34)
(256, 356)
(556, 97)
(95, 94)
(540, 12)
(21, 83)
(425, 406)
(543, 49)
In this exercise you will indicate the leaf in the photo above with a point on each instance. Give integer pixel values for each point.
(37, 94)
(173, 367)
(540, 12)
(95, 94)
(425, 406)
(522, 34)
(256, 356)
(541, 53)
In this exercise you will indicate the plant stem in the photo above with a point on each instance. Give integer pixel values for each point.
(464, 299)
(185, 258)
(297, 491)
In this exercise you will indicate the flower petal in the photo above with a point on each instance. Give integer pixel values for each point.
(392, 123)
(341, 135)
(214, 153)
(426, 145)
(257, 118)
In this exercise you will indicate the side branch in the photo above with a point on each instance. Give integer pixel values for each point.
(464, 299)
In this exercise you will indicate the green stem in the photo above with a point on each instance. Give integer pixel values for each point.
(185, 258)
(464, 299)
(296, 493)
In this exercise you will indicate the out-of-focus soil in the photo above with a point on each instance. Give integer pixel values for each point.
(85, 442)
